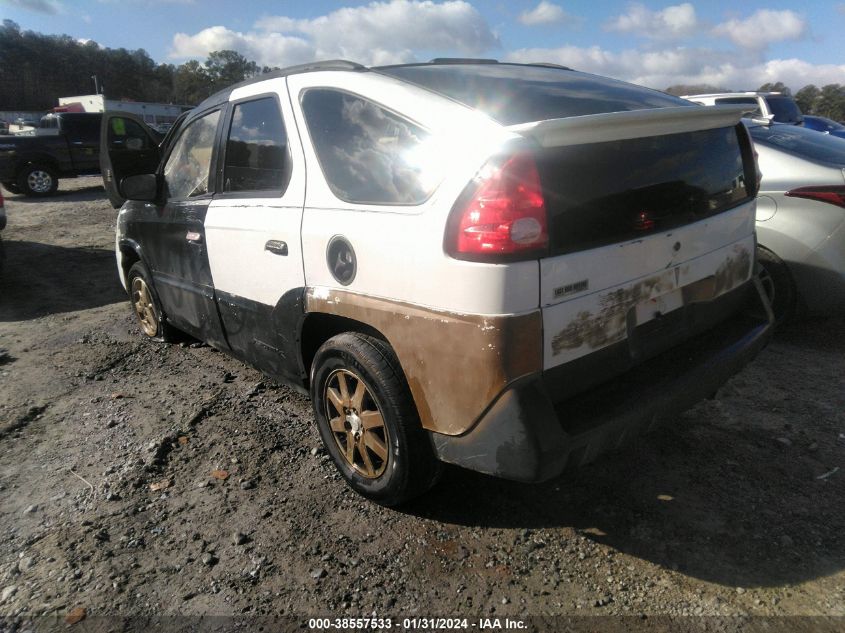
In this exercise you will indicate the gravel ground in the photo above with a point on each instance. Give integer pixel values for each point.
(144, 479)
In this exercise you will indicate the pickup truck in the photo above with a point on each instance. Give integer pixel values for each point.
(66, 145)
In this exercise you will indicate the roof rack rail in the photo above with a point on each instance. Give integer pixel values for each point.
(462, 60)
(329, 64)
(549, 65)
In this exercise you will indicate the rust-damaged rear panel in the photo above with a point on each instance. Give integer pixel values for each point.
(456, 364)
(595, 321)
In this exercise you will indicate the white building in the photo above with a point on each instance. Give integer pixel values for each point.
(152, 113)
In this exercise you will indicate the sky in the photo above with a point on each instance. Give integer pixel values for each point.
(736, 45)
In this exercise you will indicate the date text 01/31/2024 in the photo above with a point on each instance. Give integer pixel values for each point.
(418, 623)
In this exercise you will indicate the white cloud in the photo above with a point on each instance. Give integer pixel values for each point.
(50, 7)
(381, 32)
(377, 33)
(673, 22)
(544, 13)
(664, 68)
(270, 49)
(762, 28)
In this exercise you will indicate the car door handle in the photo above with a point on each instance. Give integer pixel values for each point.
(277, 247)
(194, 237)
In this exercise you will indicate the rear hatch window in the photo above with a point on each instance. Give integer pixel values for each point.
(603, 193)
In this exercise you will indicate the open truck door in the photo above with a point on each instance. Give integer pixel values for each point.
(127, 148)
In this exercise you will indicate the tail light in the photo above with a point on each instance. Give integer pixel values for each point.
(502, 217)
(833, 194)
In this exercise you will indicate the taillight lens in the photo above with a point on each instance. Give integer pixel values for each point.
(834, 194)
(505, 216)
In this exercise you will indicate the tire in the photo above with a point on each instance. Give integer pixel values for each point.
(38, 181)
(779, 286)
(11, 187)
(371, 428)
(146, 306)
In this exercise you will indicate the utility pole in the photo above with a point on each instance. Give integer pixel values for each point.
(96, 86)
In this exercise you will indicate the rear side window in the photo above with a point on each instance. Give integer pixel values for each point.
(85, 127)
(754, 106)
(257, 157)
(785, 109)
(187, 168)
(368, 154)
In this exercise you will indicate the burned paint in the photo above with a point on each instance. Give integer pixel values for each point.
(610, 325)
(611, 322)
(733, 271)
(456, 364)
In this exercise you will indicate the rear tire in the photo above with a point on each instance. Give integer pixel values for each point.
(779, 286)
(146, 306)
(368, 422)
(38, 181)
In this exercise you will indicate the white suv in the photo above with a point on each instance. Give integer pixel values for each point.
(776, 106)
(506, 267)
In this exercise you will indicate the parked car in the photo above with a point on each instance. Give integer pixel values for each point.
(33, 165)
(508, 267)
(801, 219)
(776, 106)
(823, 124)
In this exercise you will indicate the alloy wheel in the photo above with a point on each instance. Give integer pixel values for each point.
(356, 423)
(142, 302)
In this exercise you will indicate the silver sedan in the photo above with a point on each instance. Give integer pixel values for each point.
(801, 219)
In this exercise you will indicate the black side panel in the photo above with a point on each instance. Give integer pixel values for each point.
(127, 148)
(266, 337)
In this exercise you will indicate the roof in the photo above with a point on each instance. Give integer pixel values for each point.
(343, 65)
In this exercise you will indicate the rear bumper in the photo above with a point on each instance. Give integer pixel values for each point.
(525, 436)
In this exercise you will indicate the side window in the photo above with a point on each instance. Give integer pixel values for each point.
(187, 168)
(741, 101)
(127, 134)
(368, 154)
(257, 156)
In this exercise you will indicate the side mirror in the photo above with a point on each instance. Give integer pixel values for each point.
(142, 187)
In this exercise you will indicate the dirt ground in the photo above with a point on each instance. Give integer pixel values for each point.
(108, 443)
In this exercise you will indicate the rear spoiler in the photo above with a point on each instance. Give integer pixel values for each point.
(617, 126)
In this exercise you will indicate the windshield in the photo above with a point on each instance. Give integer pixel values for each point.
(785, 109)
(802, 142)
(520, 93)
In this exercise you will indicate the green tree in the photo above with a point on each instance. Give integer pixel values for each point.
(227, 67)
(775, 87)
(806, 98)
(831, 102)
(191, 83)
